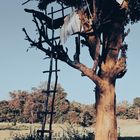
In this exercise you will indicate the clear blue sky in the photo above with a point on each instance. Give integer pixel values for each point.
(21, 70)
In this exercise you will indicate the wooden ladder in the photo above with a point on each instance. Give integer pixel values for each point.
(53, 61)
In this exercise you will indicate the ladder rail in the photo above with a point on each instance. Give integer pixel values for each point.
(47, 99)
(53, 100)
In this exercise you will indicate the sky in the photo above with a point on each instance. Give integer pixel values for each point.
(21, 70)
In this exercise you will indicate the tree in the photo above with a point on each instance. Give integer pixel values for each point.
(16, 104)
(87, 119)
(103, 33)
(4, 111)
(136, 103)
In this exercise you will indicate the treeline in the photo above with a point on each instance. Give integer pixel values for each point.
(25, 107)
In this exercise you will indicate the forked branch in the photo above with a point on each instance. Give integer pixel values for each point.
(61, 54)
(120, 68)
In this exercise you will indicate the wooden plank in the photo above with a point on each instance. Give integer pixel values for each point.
(47, 112)
(55, 38)
(47, 71)
(58, 10)
(49, 91)
(44, 131)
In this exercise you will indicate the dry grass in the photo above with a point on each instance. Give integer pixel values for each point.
(129, 127)
(7, 131)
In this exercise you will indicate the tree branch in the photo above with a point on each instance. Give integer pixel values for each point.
(26, 2)
(35, 44)
(120, 68)
(89, 73)
(41, 16)
(57, 50)
(62, 55)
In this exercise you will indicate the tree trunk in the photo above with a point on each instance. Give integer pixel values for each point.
(111, 67)
(106, 125)
(138, 114)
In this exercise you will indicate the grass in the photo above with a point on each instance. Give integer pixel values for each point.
(129, 130)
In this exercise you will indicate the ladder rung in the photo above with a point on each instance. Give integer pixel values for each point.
(59, 10)
(55, 38)
(44, 131)
(49, 91)
(47, 112)
(50, 71)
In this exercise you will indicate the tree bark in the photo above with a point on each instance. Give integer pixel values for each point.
(106, 126)
(111, 68)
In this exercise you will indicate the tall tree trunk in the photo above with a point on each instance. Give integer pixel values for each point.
(106, 126)
(111, 67)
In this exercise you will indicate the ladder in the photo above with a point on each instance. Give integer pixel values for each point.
(53, 61)
(47, 92)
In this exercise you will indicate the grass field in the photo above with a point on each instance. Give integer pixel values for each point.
(7, 131)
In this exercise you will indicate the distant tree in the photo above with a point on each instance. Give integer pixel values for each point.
(122, 109)
(34, 104)
(87, 119)
(4, 111)
(103, 33)
(131, 113)
(125, 110)
(136, 103)
(18, 99)
(62, 105)
(16, 104)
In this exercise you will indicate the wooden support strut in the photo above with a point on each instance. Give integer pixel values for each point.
(77, 52)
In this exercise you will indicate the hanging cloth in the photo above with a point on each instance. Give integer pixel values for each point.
(72, 24)
(123, 4)
(120, 1)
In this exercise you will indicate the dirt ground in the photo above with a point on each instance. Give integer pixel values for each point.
(125, 127)
(129, 127)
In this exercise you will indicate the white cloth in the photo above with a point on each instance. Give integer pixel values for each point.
(120, 1)
(72, 24)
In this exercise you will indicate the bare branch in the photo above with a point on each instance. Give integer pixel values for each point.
(63, 56)
(125, 34)
(41, 16)
(120, 68)
(89, 73)
(41, 31)
(36, 44)
(26, 2)
(32, 43)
